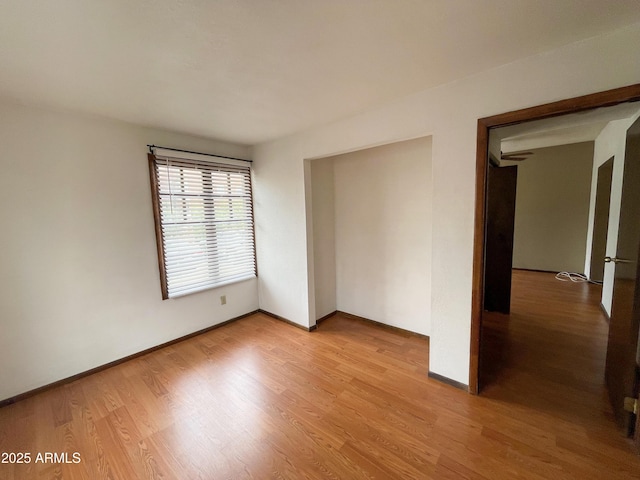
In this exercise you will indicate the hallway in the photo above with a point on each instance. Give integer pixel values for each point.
(548, 355)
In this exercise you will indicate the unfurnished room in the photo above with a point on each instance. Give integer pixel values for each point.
(287, 239)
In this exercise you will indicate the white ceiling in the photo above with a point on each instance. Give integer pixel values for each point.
(248, 71)
(563, 130)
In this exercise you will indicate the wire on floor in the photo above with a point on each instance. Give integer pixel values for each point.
(574, 277)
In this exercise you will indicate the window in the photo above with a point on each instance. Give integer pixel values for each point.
(204, 221)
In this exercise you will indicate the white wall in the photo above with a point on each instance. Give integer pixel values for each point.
(552, 208)
(79, 281)
(383, 233)
(610, 143)
(449, 113)
(324, 241)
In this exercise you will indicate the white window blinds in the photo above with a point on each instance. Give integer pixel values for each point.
(204, 223)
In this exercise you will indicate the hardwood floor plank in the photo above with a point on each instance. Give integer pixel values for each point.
(449, 469)
(536, 460)
(371, 464)
(122, 463)
(260, 399)
(596, 457)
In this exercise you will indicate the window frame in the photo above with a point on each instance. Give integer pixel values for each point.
(157, 214)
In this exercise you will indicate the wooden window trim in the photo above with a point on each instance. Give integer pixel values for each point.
(212, 240)
(155, 201)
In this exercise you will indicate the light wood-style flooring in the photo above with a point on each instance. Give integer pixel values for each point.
(261, 399)
(546, 360)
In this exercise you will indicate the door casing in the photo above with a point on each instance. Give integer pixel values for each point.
(607, 98)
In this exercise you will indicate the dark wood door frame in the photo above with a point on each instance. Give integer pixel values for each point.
(607, 98)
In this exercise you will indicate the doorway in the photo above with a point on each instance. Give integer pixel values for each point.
(582, 104)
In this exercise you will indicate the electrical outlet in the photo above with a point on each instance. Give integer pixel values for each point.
(223, 299)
